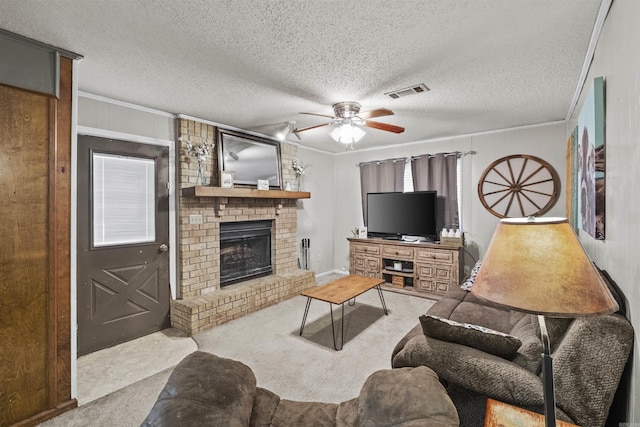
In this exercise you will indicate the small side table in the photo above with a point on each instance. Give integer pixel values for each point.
(501, 414)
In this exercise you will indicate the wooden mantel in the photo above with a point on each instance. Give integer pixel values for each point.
(208, 191)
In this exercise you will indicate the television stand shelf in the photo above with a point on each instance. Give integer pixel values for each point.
(404, 273)
(428, 269)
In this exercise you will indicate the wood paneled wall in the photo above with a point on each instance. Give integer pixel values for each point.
(35, 198)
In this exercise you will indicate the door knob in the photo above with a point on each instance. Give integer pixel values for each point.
(164, 247)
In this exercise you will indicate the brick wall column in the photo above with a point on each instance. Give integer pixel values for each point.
(199, 245)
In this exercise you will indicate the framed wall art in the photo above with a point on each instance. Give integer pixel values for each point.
(572, 178)
(226, 179)
(591, 162)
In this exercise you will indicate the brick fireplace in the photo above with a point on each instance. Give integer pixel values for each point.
(202, 303)
(245, 251)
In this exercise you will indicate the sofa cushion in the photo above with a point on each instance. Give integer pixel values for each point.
(293, 413)
(405, 397)
(488, 340)
(264, 407)
(444, 308)
(482, 315)
(347, 415)
(462, 306)
(529, 353)
(528, 330)
(205, 389)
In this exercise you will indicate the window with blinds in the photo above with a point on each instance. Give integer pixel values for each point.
(123, 200)
(408, 178)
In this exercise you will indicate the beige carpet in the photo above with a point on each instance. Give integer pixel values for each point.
(106, 371)
(295, 367)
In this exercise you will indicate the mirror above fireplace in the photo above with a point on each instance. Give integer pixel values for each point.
(250, 158)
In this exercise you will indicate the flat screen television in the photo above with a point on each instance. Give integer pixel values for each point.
(395, 215)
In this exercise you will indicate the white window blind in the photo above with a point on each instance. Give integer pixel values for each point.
(408, 178)
(123, 200)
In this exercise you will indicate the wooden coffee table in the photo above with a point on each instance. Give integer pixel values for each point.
(338, 292)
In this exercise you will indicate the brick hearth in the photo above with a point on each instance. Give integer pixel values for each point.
(202, 304)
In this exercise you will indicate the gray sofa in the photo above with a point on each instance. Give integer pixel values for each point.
(206, 390)
(589, 355)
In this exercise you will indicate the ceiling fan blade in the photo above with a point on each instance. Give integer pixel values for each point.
(320, 115)
(374, 113)
(296, 131)
(384, 126)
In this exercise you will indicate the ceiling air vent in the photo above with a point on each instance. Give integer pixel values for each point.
(412, 90)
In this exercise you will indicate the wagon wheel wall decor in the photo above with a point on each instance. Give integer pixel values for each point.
(519, 186)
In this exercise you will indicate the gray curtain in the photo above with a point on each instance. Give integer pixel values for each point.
(438, 172)
(380, 177)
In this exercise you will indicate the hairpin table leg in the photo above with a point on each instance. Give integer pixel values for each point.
(384, 306)
(333, 329)
(306, 311)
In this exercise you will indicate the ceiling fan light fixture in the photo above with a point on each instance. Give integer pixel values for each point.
(285, 129)
(347, 134)
(346, 109)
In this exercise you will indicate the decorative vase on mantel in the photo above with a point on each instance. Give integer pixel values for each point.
(298, 169)
(299, 183)
(200, 179)
(201, 153)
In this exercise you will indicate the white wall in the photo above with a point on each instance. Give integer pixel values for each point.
(618, 60)
(102, 113)
(547, 142)
(316, 215)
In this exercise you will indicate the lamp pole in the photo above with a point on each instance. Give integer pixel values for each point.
(547, 376)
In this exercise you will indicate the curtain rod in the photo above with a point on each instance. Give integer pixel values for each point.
(408, 159)
(453, 153)
(378, 162)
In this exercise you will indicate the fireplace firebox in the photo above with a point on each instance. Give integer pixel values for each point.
(245, 251)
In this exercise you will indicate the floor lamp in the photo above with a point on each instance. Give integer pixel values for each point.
(538, 266)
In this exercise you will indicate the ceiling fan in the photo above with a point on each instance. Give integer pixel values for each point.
(348, 114)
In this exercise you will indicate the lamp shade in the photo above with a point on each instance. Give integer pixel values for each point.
(538, 266)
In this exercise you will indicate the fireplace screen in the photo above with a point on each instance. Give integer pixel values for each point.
(245, 251)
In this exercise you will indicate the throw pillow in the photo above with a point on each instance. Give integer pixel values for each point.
(481, 338)
(468, 283)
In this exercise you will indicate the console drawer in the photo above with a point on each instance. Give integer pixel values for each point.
(435, 287)
(397, 252)
(365, 249)
(365, 263)
(434, 271)
(434, 255)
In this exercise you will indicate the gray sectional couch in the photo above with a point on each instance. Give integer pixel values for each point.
(207, 390)
(589, 354)
(444, 371)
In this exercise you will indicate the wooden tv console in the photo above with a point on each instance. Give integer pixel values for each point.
(427, 269)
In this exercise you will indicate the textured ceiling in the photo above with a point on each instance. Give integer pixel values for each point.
(490, 64)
